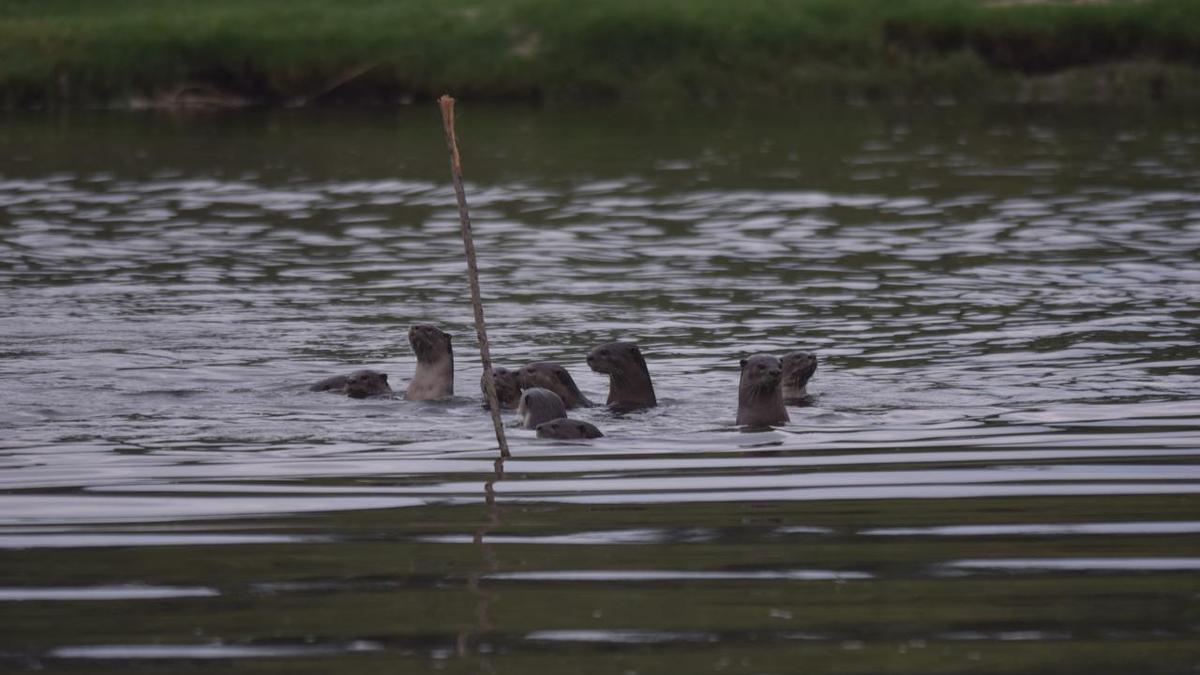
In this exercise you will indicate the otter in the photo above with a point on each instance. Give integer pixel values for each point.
(540, 405)
(508, 392)
(554, 377)
(629, 386)
(567, 429)
(434, 378)
(760, 397)
(798, 369)
(359, 384)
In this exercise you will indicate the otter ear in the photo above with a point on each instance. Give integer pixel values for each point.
(743, 363)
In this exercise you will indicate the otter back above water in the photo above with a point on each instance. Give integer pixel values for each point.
(999, 472)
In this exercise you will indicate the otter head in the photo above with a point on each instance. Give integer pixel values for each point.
(540, 405)
(367, 383)
(761, 374)
(798, 369)
(760, 398)
(508, 392)
(434, 377)
(568, 429)
(629, 385)
(617, 357)
(429, 342)
(548, 375)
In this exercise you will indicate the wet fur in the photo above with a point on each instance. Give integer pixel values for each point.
(760, 396)
(508, 392)
(568, 429)
(434, 378)
(549, 375)
(629, 383)
(359, 384)
(798, 369)
(538, 406)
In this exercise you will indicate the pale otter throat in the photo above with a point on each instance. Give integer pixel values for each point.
(548, 375)
(359, 384)
(508, 392)
(798, 369)
(434, 378)
(760, 396)
(538, 406)
(629, 386)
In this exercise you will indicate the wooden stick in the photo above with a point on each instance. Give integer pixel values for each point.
(489, 385)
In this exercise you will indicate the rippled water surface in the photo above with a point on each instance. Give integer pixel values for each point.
(999, 474)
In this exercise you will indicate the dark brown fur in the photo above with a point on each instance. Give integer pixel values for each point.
(798, 369)
(629, 385)
(567, 429)
(359, 384)
(760, 397)
(549, 375)
(508, 392)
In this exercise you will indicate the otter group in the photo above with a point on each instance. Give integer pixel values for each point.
(543, 391)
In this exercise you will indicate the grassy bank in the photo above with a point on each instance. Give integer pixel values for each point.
(69, 52)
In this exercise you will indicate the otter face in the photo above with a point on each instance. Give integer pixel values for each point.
(616, 356)
(508, 392)
(567, 429)
(428, 341)
(761, 371)
(629, 385)
(367, 383)
(798, 368)
(549, 375)
(540, 405)
(543, 374)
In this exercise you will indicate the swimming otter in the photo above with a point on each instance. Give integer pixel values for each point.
(548, 375)
(508, 392)
(540, 405)
(798, 368)
(760, 398)
(434, 378)
(359, 384)
(629, 386)
(567, 429)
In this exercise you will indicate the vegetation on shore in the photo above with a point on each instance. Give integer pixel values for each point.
(68, 52)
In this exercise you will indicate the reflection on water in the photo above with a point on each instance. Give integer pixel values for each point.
(999, 472)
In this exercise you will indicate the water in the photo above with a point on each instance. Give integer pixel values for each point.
(999, 474)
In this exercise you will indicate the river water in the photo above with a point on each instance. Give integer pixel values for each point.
(1000, 473)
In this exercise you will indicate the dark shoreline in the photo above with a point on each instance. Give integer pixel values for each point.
(223, 53)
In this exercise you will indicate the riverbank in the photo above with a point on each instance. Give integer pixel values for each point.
(297, 52)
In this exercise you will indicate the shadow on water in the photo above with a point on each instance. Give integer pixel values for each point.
(999, 472)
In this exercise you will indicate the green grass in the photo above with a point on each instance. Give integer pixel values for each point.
(277, 51)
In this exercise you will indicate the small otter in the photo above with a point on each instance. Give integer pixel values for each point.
(548, 375)
(760, 398)
(434, 378)
(359, 384)
(508, 392)
(567, 429)
(629, 386)
(540, 405)
(798, 369)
